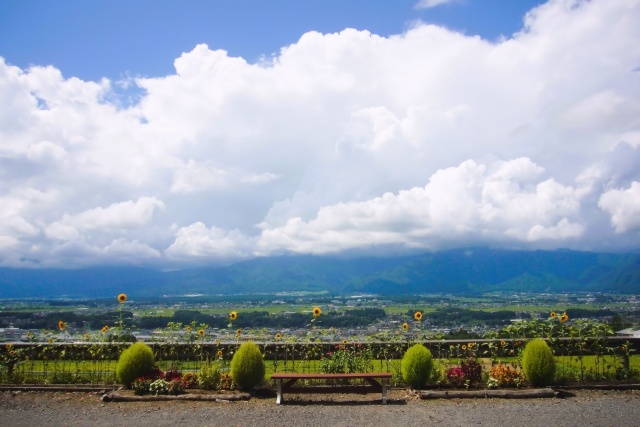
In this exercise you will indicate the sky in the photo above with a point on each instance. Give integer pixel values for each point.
(174, 134)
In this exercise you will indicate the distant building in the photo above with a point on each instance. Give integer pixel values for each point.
(628, 333)
(10, 334)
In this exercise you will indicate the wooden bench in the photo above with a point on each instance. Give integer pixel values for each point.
(371, 378)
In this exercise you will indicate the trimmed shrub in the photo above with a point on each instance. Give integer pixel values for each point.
(134, 362)
(247, 366)
(538, 363)
(417, 365)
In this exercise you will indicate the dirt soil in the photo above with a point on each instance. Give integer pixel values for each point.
(581, 408)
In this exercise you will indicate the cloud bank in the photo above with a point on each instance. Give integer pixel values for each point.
(425, 140)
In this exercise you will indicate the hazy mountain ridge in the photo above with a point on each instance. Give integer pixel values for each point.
(456, 271)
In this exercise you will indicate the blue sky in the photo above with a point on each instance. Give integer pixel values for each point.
(93, 39)
(171, 134)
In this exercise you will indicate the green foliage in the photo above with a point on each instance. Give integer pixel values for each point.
(417, 365)
(347, 359)
(134, 362)
(538, 363)
(209, 376)
(247, 366)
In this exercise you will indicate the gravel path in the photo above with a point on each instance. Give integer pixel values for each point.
(585, 408)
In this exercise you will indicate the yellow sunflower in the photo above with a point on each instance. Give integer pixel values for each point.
(122, 298)
(405, 326)
(278, 336)
(564, 317)
(553, 315)
(464, 347)
(233, 315)
(201, 332)
(317, 311)
(219, 353)
(503, 343)
(239, 332)
(105, 329)
(470, 345)
(50, 340)
(61, 325)
(418, 316)
(345, 341)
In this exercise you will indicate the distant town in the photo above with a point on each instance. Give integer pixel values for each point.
(262, 317)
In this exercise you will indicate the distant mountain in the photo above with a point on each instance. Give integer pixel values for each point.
(456, 271)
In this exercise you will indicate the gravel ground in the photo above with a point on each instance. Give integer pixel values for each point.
(584, 408)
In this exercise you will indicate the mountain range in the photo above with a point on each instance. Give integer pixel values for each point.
(457, 271)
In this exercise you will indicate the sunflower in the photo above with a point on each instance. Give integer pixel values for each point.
(201, 332)
(345, 341)
(564, 317)
(86, 337)
(503, 343)
(317, 311)
(464, 347)
(61, 325)
(405, 326)
(417, 315)
(50, 340)
(233, 315)
(105, 329)
(553, 315)
(188, 328)
(470, 345)
(219, 353)
(122, 298)
(278, 336)
(239, 332)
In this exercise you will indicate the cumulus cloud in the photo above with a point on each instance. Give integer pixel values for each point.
(117, 216)
(624, 207)
(468, 204)
(428, 139)
(197, 241)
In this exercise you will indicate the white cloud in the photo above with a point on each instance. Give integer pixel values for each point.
(122, 215)
(426, 4)
(196, 241)
(624, 207)
(426, 139)
(470, 203)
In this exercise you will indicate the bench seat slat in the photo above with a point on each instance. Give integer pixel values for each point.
(318, 376)
(292, 378)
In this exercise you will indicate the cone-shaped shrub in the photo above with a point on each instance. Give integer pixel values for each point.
(417, 365)
(538, 363)
(134, 362)
(247, 366)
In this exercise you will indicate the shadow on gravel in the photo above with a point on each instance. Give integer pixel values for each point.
(341, 402)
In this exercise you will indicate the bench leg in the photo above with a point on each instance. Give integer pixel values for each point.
(384, 390)
(279, 390)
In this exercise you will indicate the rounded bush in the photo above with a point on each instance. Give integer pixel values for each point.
(538, 363)
(247, 366)
(417, 365)
(135, 361)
